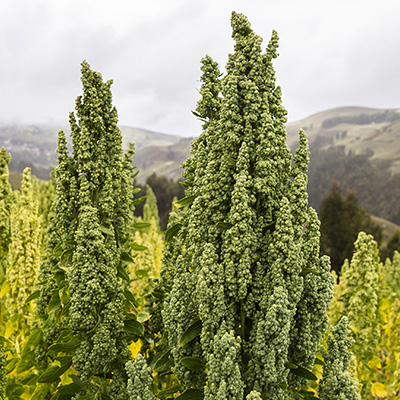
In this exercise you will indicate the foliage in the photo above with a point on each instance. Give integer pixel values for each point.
(247, 308)
(341, 221)
(391, 247)
(24, 254)
(369, 295)
(378, 190)
(164, 190)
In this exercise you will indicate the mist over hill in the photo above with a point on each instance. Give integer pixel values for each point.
(358, 146)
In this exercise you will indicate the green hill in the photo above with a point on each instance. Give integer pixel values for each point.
(357, 129)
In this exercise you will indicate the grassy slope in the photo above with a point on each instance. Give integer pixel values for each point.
(383, 138)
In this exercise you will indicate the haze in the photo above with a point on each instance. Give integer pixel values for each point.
(332, 53)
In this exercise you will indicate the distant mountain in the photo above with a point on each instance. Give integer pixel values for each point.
(35, 145)
(357, 129)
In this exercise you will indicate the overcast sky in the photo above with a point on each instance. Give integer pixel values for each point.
(332, 54)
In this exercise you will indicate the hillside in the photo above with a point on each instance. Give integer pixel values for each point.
(35, 145)
(357, 129)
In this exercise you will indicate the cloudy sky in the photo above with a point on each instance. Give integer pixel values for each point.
(332, 54)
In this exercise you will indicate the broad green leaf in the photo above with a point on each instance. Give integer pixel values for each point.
(223, 226)
(66, 347)
(318, 362)
(130, 297)
(105, 230)
(138, 200)
(191, 332)
(126, 257)
(143, 316)
(303, 373)
(141, 225)
(72, 388)
(50, 375)
(122, 273)
(5, 288)
(136, 190)
(55, 302)
(191, 394)
(192, 363)
(14, 390)
(11, 364)
(171, 390)
(142, 273)
(164, 362)
(291, 366)
(172, 231)
(186, 201)
(138, 247)
(133, 327)
(53, 372)
(26, 362)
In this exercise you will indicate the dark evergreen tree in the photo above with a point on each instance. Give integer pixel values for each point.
(341, 221)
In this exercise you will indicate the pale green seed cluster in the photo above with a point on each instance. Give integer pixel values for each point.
(90, 221)
(241, 262)
(337, 383)
(361, 300)
(139, 379)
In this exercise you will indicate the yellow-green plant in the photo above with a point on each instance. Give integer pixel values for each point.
(24, 254)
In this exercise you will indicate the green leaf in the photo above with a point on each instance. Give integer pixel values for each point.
(54, 371)
(190, 333)
(133, 327)
(33, 296)
(55, 302)
(186, 201)
(26, 362)
(318, 362)
(127, 257)
(138, 247)
(172, 231)
(191, 394)
(136, 190)
(304, 373)
(105, 230)
(223, 226)
(164, 362)
(140, 225)
(138, 200)
(11, 364)
(171, 390)
(50, 375)
(291, 366)
(143, 316)
(72, 388)
(66, 347)
(122, 273)
(142, 273)
(14, 390)
(192, 363)
(130, 297)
